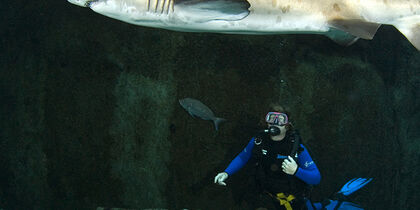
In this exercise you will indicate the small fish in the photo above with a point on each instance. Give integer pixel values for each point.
(197, 109)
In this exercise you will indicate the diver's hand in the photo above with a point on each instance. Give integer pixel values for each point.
(289, 166)
(220, 178)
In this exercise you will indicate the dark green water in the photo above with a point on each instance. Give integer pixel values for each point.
(90, 115)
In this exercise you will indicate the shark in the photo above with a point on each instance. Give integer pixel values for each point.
(343, 21)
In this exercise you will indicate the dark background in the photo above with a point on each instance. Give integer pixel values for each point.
(90, 115)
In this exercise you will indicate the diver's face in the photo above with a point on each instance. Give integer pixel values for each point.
(278, 120)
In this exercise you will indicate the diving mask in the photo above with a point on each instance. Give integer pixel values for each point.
(277, 118)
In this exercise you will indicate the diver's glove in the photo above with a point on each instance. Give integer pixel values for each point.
(289, 166)
(220, 178)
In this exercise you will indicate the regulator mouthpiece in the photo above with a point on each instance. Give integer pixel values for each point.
(273, 131)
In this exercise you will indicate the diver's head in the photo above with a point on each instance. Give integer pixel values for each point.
(278, 124)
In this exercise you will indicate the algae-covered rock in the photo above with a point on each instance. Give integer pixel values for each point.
(140, 130)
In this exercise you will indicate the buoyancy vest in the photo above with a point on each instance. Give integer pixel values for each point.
(269, 156)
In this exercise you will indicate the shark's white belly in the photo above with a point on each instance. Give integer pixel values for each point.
(388, 11)
(257, 22)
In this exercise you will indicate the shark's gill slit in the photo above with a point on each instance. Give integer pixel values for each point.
(163, 7)
(156, 5)
(168, 6)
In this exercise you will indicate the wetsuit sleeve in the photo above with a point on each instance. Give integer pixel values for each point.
(241, 159)
(307, 170)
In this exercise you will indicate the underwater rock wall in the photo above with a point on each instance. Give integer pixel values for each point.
(405, 94)
(22, 157)
(140, 132)
(90, 116)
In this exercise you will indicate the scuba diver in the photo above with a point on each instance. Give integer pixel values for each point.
(284, 168)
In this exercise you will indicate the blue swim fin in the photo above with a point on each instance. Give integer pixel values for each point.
(339, 201)
(354, 185)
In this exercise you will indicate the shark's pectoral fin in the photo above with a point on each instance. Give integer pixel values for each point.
(410, 27)
(355, 27)
(208, 10)
(341, 37)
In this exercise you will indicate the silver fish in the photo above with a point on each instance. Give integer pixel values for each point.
(195, 108)
(343, 21)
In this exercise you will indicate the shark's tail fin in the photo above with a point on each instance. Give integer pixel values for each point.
(354, 185)
(410, 27)
(217, 121)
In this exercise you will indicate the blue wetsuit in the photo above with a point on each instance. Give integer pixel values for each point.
(307, 170)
